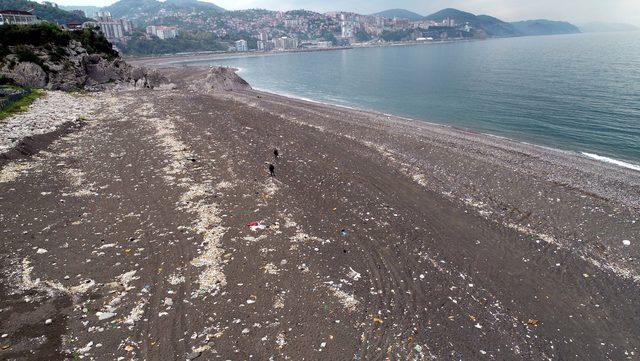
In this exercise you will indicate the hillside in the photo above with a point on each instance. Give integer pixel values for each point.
(90, 11)
(544, 27)
(598, 27)
(399, 13)
(492, 26)
(145, 9)
(42, 11)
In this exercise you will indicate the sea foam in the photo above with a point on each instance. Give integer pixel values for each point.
(612, 161)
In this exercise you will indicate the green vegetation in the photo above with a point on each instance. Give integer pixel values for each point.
(45, 12)
(25, 54)
(22, 104)
(51, 37)
(363, 36)
(185, 42)
(398, 35)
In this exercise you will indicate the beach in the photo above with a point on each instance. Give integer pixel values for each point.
(144, 224)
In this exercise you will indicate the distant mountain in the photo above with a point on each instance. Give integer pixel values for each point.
(399, 13)
(45, 12)
(598, 27)
(90, 11)
(544, 27)
(490, 25)
(140, 9)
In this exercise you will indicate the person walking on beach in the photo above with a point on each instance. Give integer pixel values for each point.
(276, 153)
(272, 170)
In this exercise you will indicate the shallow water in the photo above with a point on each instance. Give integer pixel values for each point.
(573, 92)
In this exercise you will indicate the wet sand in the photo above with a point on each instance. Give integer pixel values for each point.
(155, 232)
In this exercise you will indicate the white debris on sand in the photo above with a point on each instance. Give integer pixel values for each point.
(136, 313)
(208, 218)
(271, 269)
(45, 115)
(176, 279)
(354, 275)
(348, 301)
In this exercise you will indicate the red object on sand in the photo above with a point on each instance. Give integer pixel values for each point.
(252, 224)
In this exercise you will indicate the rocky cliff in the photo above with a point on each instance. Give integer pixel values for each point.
(46, 57)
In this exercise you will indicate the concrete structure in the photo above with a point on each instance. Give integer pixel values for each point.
(113, 30)
(17, 17)
(241, 45)
(163, 32)
(285, 43)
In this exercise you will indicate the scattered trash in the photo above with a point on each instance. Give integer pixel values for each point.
(478, 326)
(48, 321)
(626, 242)
(194, 355)
(4, 347)
(354, 275)
(533, 322)
(344, 233)
(378, 320)
(104, 315)
(41, 251)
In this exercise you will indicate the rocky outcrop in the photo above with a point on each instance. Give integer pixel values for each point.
(77, 69)
(28, 74)
(147, 78)
(224, 79)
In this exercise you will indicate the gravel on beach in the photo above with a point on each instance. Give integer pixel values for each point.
(154, 231)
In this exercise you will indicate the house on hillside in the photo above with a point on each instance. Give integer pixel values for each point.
(17, 17)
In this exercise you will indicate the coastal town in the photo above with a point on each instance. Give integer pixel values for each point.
(261, 30)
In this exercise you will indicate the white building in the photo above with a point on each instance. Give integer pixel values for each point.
(17, 17)
(163, 32)
(285, 43)
(114, 31)
(241, 45)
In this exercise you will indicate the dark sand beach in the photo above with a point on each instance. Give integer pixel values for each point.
(152, 230)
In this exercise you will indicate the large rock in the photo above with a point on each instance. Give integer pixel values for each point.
(27, 74)
(225, 79)
(100, 70)
(147, 78)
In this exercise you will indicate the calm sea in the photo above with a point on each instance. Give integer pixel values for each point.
(574, 92)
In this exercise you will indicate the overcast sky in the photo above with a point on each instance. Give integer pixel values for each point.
(572, 10)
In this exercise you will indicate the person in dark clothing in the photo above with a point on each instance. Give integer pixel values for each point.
(276, 153)
(272, 170)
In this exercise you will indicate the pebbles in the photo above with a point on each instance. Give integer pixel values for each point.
(45, 115)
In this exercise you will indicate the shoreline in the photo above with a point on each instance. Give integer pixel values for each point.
(623, 163)
(177, 59)
(582, 153)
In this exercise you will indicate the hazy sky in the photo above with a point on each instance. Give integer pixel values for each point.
(571, 10)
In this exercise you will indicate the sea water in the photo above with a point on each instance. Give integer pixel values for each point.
(573, 92)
